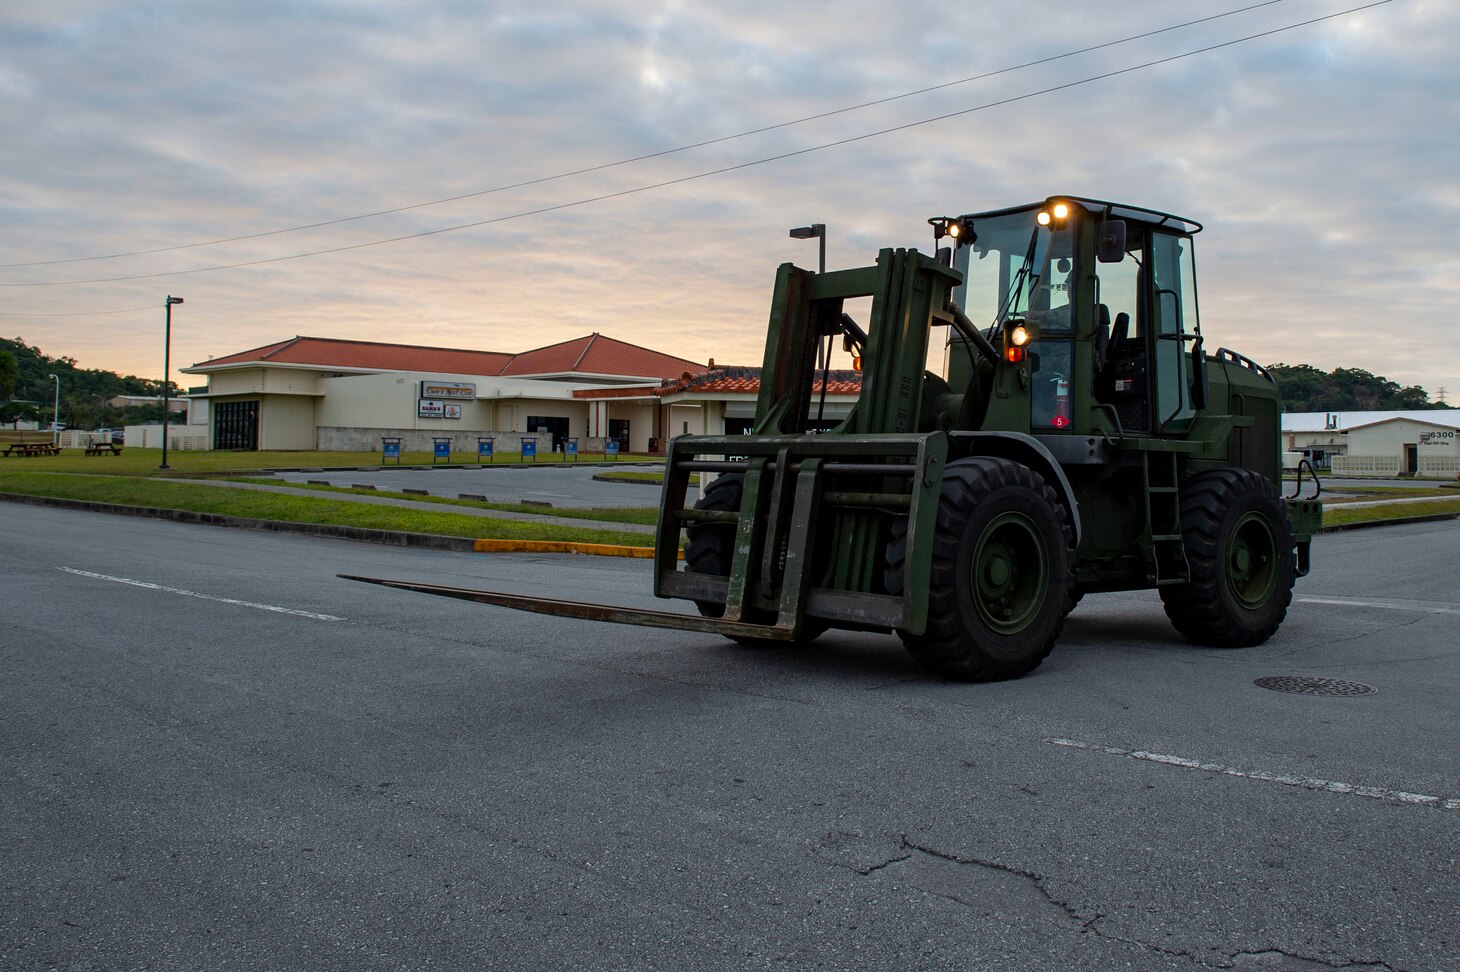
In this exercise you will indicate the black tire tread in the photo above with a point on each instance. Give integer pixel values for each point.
(1202, 609)
(946, 646)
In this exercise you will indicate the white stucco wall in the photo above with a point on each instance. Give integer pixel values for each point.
(286, 422)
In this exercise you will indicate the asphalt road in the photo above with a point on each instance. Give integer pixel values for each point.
(194, 778)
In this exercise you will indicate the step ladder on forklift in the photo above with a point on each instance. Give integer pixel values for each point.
(1163, 514)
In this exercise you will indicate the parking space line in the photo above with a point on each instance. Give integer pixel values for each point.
(1424, 607)
(206, 597)
(1302, 782)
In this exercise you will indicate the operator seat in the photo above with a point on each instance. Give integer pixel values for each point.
(1101, 343)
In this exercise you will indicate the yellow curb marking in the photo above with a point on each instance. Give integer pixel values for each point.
(564, 546)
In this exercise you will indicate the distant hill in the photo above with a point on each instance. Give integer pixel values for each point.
(84, 391)
(1309, 389)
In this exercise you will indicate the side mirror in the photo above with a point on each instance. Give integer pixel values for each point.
(1110, 241)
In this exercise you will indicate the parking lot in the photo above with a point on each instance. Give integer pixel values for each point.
(217, 754)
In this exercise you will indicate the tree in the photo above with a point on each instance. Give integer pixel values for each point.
(9, 374)
(17, 412)
(1309, 389)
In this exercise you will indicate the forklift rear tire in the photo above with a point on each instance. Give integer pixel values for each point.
(1002, 573)
(1240, 547)
(708, 552)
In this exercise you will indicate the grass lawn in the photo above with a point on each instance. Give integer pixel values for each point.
(172, 495)
(1338, 516)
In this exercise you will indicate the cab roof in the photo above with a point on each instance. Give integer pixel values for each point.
(1107, 209)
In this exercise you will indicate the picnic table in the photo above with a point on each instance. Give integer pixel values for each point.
(32, 449)
(103, 449)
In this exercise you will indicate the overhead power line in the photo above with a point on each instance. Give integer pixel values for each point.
(105, 313)
(651, 155)
(713, 172)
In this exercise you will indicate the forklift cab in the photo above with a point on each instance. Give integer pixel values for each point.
(1108, 292)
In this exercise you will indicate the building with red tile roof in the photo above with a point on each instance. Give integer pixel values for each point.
(361, 357)
(330, 393)
(593, 356)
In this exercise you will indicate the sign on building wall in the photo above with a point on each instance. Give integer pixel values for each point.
(1443, 439)
(435, 408)
(459, 390)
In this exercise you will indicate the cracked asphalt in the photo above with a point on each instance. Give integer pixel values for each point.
(217, 755)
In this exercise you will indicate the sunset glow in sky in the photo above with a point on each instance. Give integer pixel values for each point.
(1321, 159)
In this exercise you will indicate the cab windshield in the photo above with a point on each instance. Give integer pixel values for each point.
(1015, 268)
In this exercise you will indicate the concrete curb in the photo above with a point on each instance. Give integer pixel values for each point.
(396, 538)
(656, 483)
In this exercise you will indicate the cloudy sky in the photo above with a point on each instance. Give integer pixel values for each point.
(1322, 160)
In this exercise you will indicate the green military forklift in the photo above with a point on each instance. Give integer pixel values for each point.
(1079, 439)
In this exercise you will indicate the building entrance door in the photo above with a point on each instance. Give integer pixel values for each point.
(550, 426)
(619, 429)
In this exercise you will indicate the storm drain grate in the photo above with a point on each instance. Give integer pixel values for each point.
(1313, 685)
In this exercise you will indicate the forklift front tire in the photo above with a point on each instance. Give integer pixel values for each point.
(1002, 573)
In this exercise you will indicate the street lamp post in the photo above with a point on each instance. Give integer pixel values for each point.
(166, 372)
(56, 414)
(816, 231)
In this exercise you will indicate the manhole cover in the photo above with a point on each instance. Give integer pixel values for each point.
(1313, 685)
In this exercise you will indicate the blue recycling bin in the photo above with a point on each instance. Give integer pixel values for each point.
(389, 449)
(611, 448)
(529, 448)
(570, 448)
(441, 450)
(485, 446)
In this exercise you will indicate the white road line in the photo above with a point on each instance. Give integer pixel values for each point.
(207, 597)
(1304, 782)
(1423, 608)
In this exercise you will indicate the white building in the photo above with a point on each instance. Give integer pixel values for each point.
(1422, 443)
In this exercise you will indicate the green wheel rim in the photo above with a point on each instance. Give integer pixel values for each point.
(1010, 573)
(1252, 561)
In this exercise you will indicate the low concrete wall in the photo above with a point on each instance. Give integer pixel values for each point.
(1366, 466)
(1439, 467)
(1387, 467)
(178, 437)
(340, 439)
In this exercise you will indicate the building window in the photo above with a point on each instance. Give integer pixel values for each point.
(236, 425)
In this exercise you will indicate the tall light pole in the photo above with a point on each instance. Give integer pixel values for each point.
(56, 415)
(816, 231)
(166, 372)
